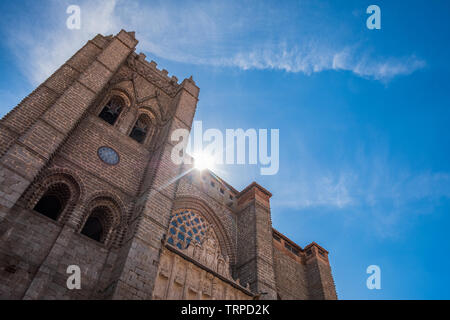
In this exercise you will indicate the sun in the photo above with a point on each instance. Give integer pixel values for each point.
(203, 161)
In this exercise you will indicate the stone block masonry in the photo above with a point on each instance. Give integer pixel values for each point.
(78, 188)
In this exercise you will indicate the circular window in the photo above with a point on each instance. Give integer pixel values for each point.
(108, 155)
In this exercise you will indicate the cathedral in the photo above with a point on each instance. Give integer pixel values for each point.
(86, 180)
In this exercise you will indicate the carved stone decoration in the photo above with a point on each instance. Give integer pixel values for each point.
(197, 269)
(198, 251)
(212, 251)
(227, 273)
(179, 274)
(193, 279)
(149, 72)
(221, 266)
(185, 280)
(194, 236)
(217, 290)
(207, 285)
(123, 74)
(162, 279)
(164, 269)
(152, 101)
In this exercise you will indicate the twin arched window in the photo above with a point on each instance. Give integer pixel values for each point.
(56, 195)
(111, 112)
(97, 225)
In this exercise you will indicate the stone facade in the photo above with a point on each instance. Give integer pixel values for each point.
(86, 179)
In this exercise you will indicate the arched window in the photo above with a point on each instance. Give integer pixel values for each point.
(97, 224)
(140, 129)
(53, 201)
(111, 110)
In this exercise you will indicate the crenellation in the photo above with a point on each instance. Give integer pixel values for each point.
(78, 187)
(149, 70)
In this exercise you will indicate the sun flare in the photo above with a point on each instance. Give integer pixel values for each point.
(203, 161)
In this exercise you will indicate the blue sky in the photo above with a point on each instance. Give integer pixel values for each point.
(363, 114)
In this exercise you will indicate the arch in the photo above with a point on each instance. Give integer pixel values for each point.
(102, 218)
(59, 189)
(153, 112)
(126, 97)
(112, 196)
(120, 93)
(99, 223)
(94, 225)
(143, 128)
(53, 201)
(112, 109)
(205, 210)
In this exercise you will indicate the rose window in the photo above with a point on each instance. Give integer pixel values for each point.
(186, 227)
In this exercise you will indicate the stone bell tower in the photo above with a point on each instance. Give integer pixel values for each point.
(88, 189)
(82, 162)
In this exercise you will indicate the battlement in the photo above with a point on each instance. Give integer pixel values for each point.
(295, 251)
(163, 73)
(147, 69)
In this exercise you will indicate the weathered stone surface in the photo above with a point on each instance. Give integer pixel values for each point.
(50, 153)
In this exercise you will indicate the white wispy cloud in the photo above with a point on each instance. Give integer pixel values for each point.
(372, 182)
(41, 50)
(386, 196)
(378, 69)
(310, 59)
(208, 33)
(312, 191)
